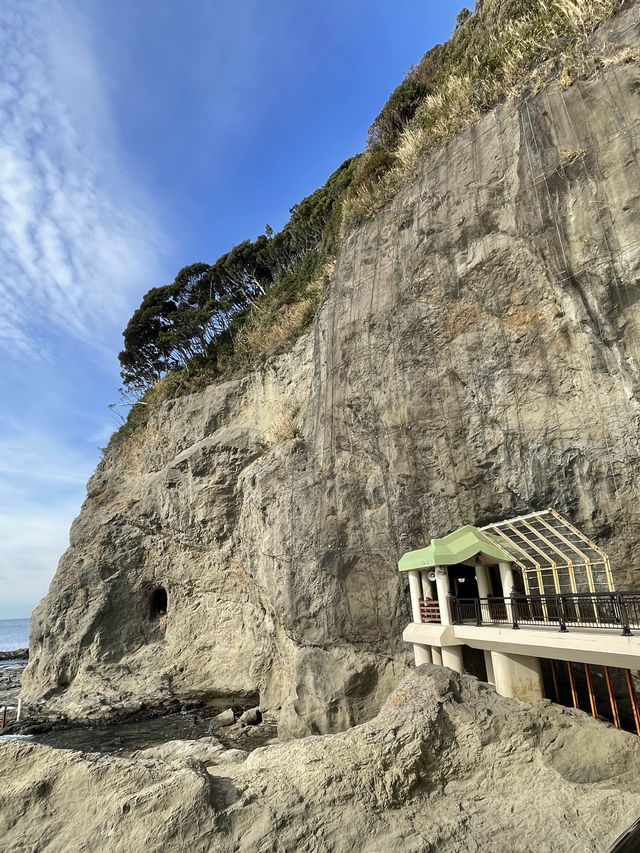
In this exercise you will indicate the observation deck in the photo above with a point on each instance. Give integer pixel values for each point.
(523, 590)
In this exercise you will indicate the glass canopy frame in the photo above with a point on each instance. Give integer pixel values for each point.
(554, 556)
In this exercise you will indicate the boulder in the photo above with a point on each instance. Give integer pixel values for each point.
(225, 718)
(251, 717)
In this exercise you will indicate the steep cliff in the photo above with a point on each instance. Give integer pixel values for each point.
(476, 355)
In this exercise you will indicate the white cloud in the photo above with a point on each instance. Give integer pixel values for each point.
(78, 246)
(75, 243)
(42, 488)
(32, 538)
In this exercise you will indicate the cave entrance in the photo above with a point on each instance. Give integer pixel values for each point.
(158, 603)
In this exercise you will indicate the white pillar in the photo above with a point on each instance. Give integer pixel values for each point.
(518, 676)
(415, 590)
(436, 655)
(482, 577)
(421, 654)
(427, 586)
(507, 580)
(19, 711)
(452, 657)
(442, 586)
(488, 662)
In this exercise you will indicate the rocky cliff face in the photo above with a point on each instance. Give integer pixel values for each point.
(447, 766)
(476, 356)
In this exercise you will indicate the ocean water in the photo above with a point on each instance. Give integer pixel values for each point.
(14, 634)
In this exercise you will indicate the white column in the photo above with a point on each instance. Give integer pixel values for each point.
(518, 676)
(429, 593)
(415, 590)
(19, 712)
(442, 586)
(452, 657)
(427, 586)
(482, 577)
(421, 654)
(488, 662)
(507, 580)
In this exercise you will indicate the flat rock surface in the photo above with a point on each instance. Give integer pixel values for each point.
(447, 765)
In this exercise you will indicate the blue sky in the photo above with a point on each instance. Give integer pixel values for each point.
(138, 136)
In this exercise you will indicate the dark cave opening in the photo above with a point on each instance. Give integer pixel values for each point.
(158, 603)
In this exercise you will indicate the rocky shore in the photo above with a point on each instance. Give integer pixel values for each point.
(17, 654)
(12, 666)
(447, 765)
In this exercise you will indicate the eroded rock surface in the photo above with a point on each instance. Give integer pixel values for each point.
(447, 765)
(476, 356)
(205, 750)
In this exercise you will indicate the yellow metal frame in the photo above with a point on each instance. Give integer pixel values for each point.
(545, 542)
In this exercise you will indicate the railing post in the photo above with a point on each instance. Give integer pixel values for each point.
(624, 617)
(478, 613)
(562, 613)
(453, 610)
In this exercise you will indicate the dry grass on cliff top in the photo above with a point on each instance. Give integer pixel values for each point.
(275, 327)
(489, 59)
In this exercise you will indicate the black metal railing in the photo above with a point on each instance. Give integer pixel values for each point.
(619, 610)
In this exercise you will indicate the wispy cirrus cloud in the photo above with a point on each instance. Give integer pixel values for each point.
(75, 242)
(78, 246)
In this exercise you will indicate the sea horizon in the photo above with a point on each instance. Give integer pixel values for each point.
(14, 633)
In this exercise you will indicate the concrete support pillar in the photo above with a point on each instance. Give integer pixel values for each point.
(507, 578)
(436, 655)
(508, 582)
(482, 577)
(415, 590)
(452, 657)
(442, 585)
(421, 654)
(488, 662)
(427, 586)
(517, 676)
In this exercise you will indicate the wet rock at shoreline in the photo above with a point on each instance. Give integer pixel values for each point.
(16, 654)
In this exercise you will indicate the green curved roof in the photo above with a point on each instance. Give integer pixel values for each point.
(456, 547)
